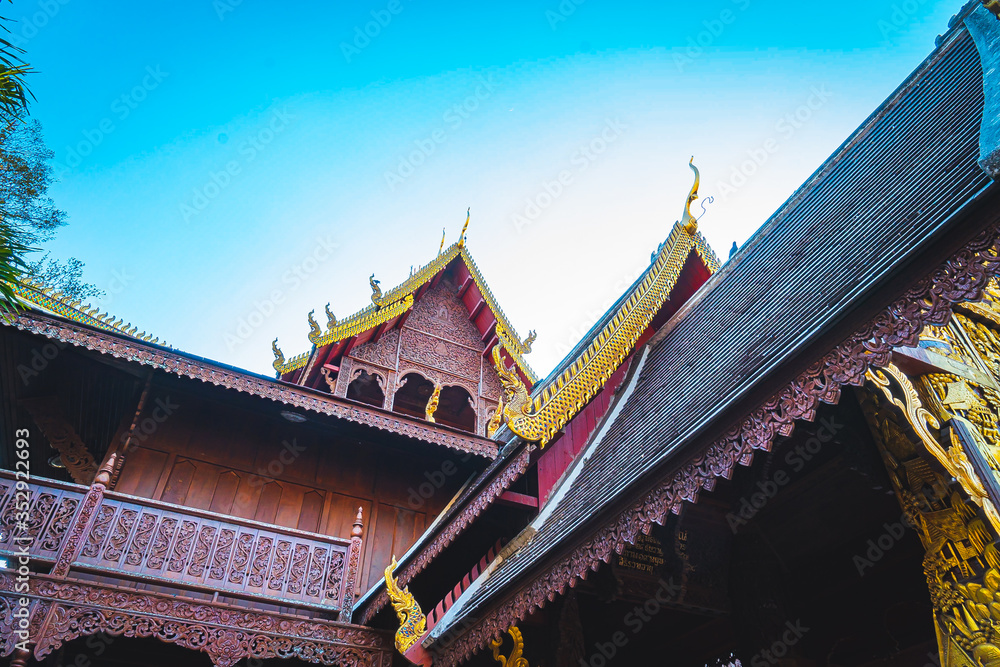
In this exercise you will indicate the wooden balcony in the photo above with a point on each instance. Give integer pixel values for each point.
(137, 540)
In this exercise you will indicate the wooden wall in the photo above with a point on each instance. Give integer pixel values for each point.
(215, 457)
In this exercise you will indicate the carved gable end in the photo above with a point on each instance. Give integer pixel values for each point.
(442, 314)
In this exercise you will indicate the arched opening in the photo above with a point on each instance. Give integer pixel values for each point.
(366, 388)
(456, 409)
(412, 395)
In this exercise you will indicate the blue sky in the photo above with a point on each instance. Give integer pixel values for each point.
(227, 166)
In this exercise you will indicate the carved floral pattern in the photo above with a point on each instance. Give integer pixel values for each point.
(59, 524)
(441, 313)
(380, 353)
(72, 610)
(441, 355)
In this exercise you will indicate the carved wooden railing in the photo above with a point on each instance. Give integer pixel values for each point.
(89, 529)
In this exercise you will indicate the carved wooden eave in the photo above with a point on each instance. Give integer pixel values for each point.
(482, 493)
(61, 611)
(930, 301)
(182, 365)
(393, 306)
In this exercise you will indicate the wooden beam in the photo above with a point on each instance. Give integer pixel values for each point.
(478, 308)
(466, 284)
(518, 499)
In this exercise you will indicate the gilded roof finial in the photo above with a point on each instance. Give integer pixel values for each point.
(532, 336)
(314, 330)
(279, 358)
(376, 290)
(331, 319)
(443, 233)
(461, 239)
(689, 222)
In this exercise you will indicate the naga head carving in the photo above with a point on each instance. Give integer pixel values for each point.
(515, 395)
(412, 622)
(314, 330)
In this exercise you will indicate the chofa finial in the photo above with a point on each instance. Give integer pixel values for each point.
(443, 234)
(465, 227)
(279, 357)
(688, 221)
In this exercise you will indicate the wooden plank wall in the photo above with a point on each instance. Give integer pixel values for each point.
(219, 458)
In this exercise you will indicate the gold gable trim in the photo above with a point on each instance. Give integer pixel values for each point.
(539, 417)
(399, 299)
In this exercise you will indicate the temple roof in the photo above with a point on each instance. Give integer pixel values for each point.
(396, 302)
(894, 191)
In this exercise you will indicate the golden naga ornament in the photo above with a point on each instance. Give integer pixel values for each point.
(432, 403)
(279, 357)
(376, 290)
(532, 337)
(331, 319)
(412, 622)
(688, 221)
(516, 657)
(314, 330)
(495, 420)
(441, 247)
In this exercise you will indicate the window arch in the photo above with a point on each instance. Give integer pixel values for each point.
(367, 388)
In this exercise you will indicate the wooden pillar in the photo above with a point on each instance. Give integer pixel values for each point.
(353, 566)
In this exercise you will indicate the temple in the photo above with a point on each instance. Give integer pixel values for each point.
(790, 458)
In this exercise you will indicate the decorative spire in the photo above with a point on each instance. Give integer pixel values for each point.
(441, 248)
(465, 227)
(689, 222)
(376, 290)
(279, 358)
(529, 340)
(359, 526)
(432, 403)
(331, 319)
(314, 330)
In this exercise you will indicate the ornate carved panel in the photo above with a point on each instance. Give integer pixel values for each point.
(380, 353)
(153, 542)
(50, 514)
(440, 354)
(71, 610)
(440, 312)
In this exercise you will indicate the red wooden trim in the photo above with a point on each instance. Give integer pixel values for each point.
(519, 499)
